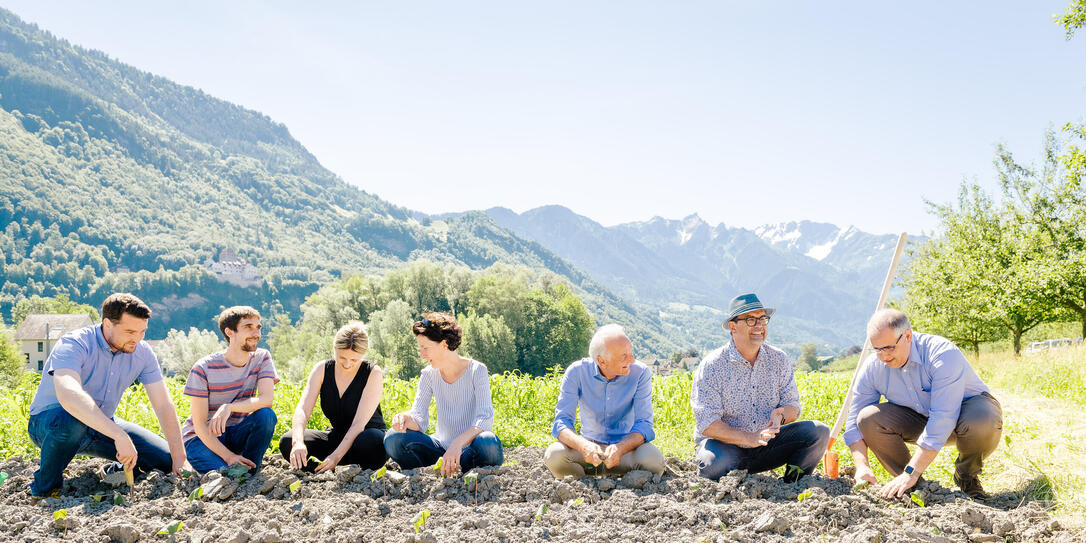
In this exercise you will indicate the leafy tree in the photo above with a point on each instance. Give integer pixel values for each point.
(392, 344)
(488, 340)
(181, 350)
(808, 358)
(59, 304)
(11, 361)
(557, 330)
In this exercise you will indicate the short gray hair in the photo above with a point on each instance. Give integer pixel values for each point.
(598, 345)
(888, 318)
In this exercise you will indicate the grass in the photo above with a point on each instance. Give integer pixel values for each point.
(1043, 455)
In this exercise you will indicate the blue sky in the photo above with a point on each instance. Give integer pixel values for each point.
(745, 113)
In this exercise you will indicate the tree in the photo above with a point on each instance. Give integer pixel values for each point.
(59, 304)
(557, 330)
(181, 350)
(392, 344)
(11, 361)
(488, 340)
(808, 358)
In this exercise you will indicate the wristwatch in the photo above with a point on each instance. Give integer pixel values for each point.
(908, 470)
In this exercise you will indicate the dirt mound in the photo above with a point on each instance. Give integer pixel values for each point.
(516, 502)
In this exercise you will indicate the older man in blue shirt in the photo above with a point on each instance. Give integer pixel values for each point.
(81, 386)
(614, 393)
(933, 397)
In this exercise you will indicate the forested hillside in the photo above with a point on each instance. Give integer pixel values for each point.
(113, 178)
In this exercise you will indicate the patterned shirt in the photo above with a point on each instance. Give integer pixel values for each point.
(104, 374)
(222, 382)
(610, 410)
(460, 404)
(728, 388)
(934, 382)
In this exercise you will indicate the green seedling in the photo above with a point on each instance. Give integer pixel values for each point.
(171, 528)
(861, 485)
(917, 498)
(473, 478)
(804, 495)
(98, 497)
(295, 486)
(694, 486)
(790, 468)
(60, 514)
(378, 474)
(196, 494)
(118, 499)
(437, 466)
(3, 477)
(510, 463)
(541, 511)
(185, 474)
(237, 470)
(420, 519)
(575, 503)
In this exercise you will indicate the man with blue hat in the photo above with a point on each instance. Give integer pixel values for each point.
(746, 403)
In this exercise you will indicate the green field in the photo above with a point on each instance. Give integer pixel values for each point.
(1043, 455)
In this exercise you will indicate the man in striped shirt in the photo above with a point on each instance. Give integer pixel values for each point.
(231, 392)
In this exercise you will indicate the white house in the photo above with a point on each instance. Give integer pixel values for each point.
(37, 335)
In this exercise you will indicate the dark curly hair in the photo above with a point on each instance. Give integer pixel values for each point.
(437, 327)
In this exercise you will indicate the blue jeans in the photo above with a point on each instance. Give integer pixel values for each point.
(413, 449)
(799, 444)
(250, 438)
(61, 437)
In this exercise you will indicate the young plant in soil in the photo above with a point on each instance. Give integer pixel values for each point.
(380, 474)
(420, 519)
(170, 530)
(472, 478)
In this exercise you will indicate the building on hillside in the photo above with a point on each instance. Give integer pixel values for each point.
(234, 270)
(664, 366)
(38, 334)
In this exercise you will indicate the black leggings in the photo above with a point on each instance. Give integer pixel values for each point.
(367, 451)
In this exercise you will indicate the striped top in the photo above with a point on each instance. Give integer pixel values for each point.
(221, 383)
(460, 405)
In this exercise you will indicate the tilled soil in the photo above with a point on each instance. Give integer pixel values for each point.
(516, 502)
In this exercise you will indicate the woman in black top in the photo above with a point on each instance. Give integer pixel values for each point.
(350, 392)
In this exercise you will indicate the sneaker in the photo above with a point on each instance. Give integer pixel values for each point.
(110, 468)
(971, 487)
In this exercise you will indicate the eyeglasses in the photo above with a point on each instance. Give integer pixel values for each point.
(752, 321)
(889, 348)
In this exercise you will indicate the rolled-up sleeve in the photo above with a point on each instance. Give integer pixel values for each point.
(484, 409)
(568, 395)
(642, 406)
(706, 398)
(420, 410)
(947, 389)
(863, 395)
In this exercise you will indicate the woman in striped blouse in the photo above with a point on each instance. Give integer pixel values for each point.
(460, 386)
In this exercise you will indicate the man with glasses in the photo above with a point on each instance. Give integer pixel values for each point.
(746, 403)
(933, 397)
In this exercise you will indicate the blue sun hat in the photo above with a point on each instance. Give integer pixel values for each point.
(744, 303)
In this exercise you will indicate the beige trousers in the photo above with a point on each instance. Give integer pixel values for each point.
(562, 461)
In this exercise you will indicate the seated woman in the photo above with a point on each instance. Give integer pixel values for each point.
(349, 387)
(464, 437)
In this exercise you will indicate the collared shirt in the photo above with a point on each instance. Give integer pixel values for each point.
(460, 405)
(610, 410)
(933, 382)
(729, 389)
(104, 374)
(221, 382)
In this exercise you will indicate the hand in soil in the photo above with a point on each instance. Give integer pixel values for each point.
(234, 458)
(181, 465)
(329, 463)
(298, 455)
(900, 485)
(450, 461)
(864, 473)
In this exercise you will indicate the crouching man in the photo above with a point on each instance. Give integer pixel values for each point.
(933, 398)
(232, 421)
(614, 393)
(81, 386)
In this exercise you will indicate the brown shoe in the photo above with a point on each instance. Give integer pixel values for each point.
(34, 500)
(971, 487)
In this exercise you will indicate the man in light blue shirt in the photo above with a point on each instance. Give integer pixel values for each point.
(933, 397)
(81, 386)
(614, 393)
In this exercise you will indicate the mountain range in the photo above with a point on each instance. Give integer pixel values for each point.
(112, 178)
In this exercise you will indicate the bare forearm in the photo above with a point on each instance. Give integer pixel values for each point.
(630, 442)
(572, 439)
(467, 436)
(298, 423)
(922, 459)
(859, 454)
(720, 431)
(252, 404)
(212, 442)
(80, 405)
(790, 414)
